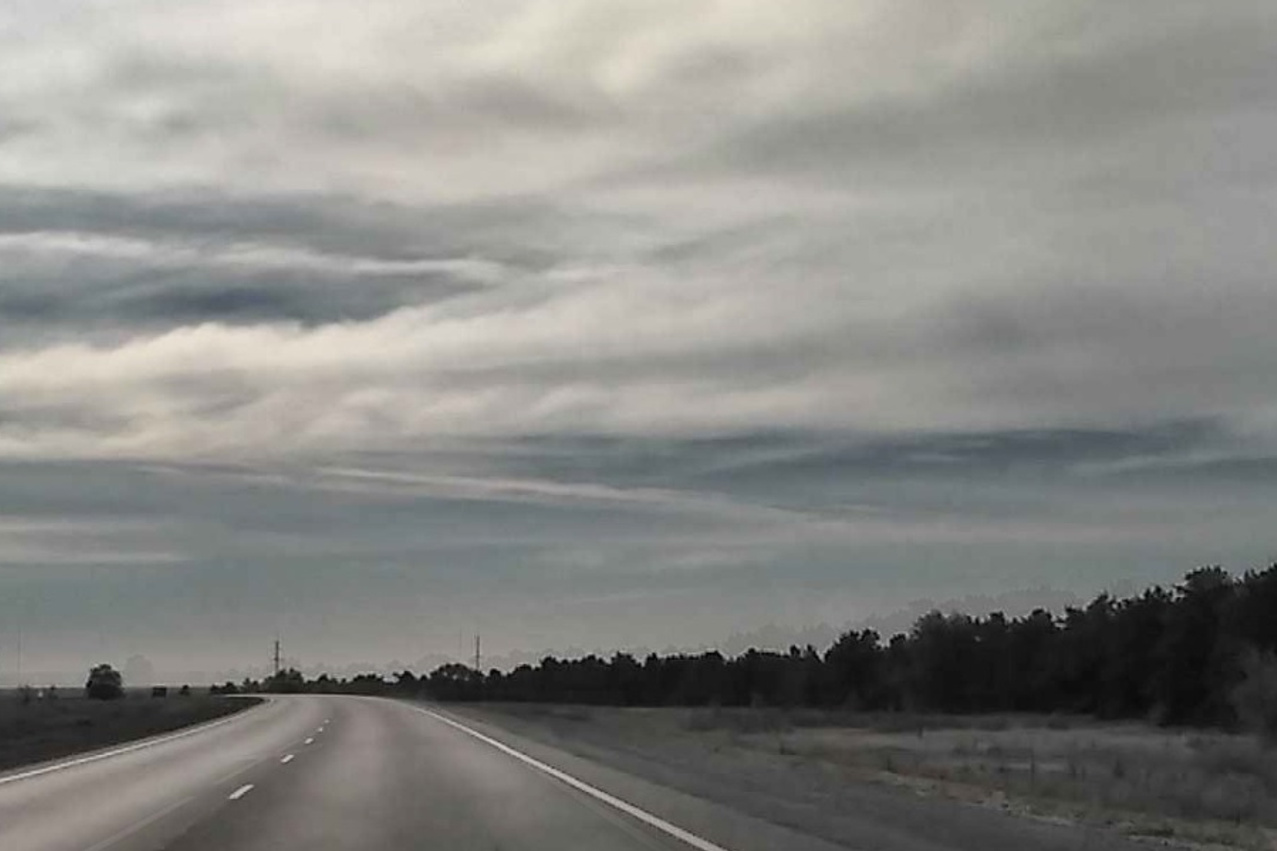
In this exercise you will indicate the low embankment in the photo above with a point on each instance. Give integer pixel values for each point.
(1126, 778)
(39, 730)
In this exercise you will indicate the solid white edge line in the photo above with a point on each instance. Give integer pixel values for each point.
(136, 746)
(240, 792)
(286, 759)
(581, 786)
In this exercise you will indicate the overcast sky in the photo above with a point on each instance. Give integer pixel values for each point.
(612, 323)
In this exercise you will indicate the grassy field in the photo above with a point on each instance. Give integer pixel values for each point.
(49, 729)
(1203, 786)
(1179, 785)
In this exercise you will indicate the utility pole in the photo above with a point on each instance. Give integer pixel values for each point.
(277, 657)
(476, 652)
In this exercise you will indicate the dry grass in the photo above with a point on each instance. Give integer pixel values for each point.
(1209, 787)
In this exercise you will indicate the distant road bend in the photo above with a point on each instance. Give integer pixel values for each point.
(327, 772)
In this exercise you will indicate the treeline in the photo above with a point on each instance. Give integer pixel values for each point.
(1197, 654)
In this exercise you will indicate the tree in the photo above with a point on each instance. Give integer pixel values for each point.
(853, 671)
(104, 683)
(1255, 698)
(1192, 676)
(287, 681)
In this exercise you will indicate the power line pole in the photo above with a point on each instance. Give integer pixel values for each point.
(277, 657)
(476, 652)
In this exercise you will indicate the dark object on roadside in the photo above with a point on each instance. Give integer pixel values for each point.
(159, 691)
(184, 691)
(104, 683)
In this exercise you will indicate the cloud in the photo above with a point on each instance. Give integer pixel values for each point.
(67, 542)
(584, 288)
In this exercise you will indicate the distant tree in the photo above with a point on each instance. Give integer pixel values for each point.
(1251, 618)
(184, 691)
(104, 683)
(853, 672)
(1191, 683)
(287, 681)
(1203, 653)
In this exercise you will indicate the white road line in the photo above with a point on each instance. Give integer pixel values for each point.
(287, 759)
(581, 786)
(320, 730)
(240, 792)
(146, 743)
(308, 741)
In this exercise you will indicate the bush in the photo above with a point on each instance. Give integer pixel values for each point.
(104, 683)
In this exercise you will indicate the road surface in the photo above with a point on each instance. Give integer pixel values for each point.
(327, 772)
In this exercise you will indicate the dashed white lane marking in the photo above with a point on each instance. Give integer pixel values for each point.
(287, 759)
(581, 786)
(147, 743)
(240, 792)
(320, 730)
(308, 741)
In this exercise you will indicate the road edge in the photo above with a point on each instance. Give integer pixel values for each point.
(39, 769)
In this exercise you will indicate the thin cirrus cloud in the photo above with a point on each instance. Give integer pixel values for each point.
(803, 293)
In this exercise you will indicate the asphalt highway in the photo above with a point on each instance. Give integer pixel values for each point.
(326, 772)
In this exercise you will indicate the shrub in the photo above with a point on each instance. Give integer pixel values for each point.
(104, 683)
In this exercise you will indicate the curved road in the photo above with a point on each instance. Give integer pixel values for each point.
(325, 772)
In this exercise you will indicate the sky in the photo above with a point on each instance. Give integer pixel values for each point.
(606, 324)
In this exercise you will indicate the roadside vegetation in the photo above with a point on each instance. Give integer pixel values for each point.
(1175, 784)
(45, 724)
(1208, 786)
(1200, 654)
